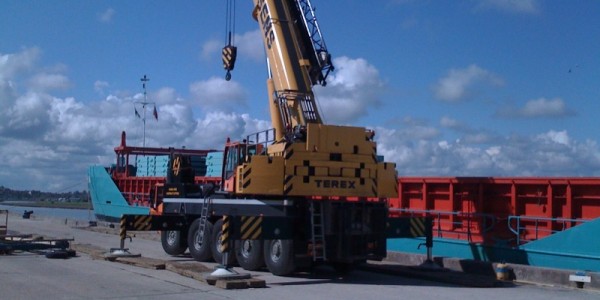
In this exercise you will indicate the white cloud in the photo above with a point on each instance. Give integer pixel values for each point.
(351, 90)
(552, 153)
(448, 122)
(51, 141)
(249, 46)
(537, 108)
(469, 135)
(512, 6)
(558, 137)
(44, 82)
(27, 117)
(107, 15)
(217, 93)
(459, 84)
(210, 49)
(543, 107)
(12, 64)
(222, 125)
(165, 95)
(100, 86)
(7, 94)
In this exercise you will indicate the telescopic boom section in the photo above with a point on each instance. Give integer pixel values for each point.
(297, 61)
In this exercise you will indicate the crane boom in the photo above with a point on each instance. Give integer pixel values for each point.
(298, 59)
(320, 55)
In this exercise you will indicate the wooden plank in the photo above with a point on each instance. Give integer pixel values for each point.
(144, 262)
(191, 270)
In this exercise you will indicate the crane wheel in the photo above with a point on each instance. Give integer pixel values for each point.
(249, 254)
(200, 251)
(279, 257)
(173, 242)
(216, 245)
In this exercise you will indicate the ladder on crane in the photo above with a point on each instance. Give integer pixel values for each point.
(204, 218)
(317, 231)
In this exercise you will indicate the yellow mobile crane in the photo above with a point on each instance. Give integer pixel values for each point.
(299, 194)
(307, 158)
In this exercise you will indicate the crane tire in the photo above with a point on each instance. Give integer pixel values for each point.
(174, 242)
(200, 252)
(279, 257)
(249, 254)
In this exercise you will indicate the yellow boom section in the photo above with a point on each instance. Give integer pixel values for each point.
(290, 89)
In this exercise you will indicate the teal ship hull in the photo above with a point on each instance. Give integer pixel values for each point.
(108, 202)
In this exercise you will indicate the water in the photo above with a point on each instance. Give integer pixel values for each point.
(73, 214)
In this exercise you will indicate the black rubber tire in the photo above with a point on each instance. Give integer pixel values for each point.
(279, 257)
(71, 252)
(216, 245)
(57, 254)
(173, 242)
(249, 254)
(200, 252)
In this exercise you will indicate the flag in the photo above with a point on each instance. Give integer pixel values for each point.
(155, 113)
(137, 114)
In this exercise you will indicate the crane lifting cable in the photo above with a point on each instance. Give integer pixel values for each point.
(229, 53)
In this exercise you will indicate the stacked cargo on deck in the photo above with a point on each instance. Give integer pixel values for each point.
(214, 164)
(152, 165)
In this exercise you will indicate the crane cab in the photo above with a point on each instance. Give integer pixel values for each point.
(235, 155)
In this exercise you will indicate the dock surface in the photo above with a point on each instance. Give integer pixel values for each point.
(27, 275)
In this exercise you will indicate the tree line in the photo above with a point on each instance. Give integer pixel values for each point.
(7, 194)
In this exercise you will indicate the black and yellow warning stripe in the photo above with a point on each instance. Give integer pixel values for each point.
(225, 234)
(251, 227)
(228, 55)
(287, 187)
(417, 227)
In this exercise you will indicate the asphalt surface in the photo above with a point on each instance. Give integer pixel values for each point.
(26, 275)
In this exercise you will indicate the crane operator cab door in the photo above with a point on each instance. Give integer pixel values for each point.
(234, 155)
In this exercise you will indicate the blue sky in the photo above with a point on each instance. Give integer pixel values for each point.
(452, 88)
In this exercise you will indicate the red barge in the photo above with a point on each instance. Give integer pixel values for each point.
(544, 221)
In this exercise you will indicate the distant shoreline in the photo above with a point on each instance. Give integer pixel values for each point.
(66, 205)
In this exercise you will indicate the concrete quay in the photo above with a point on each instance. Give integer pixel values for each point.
(26, 275)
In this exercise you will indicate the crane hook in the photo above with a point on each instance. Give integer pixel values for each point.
(229, 54)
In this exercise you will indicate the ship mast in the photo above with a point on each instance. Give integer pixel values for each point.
(144, 103)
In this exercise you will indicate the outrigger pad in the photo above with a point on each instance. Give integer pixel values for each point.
(120, 252)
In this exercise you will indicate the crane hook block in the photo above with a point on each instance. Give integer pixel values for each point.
(229, 55)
